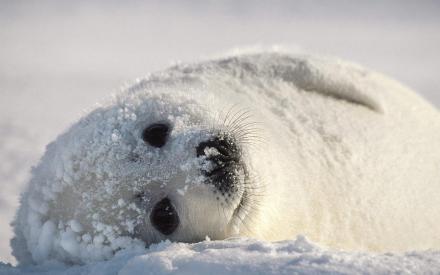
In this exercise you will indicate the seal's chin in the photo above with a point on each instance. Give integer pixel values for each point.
(241, 209)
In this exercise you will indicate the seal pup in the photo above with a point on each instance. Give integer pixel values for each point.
(266, 145)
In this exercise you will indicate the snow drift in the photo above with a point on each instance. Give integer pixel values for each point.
(243, 256)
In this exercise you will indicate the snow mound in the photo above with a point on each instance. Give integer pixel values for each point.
(244, 256)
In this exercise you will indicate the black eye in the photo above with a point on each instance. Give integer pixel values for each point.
(164, 217)
(156, 134)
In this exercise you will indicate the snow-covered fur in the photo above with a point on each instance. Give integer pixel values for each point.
(338, 153)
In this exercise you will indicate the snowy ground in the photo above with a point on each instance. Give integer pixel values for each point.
(57, 58)
(244, 256)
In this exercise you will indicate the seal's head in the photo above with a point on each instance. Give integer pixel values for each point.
(191, 176)
(145, 168)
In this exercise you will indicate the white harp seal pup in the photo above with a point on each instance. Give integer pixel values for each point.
(264, 145)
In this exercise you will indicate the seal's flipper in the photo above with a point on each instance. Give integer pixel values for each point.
(335, 80)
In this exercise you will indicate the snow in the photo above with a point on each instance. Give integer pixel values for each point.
(244, 256)
(51, 55)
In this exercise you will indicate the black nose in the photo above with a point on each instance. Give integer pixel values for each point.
(224, 156)
(225, 149)
(164, 217)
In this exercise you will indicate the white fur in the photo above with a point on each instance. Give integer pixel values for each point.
(348, 158)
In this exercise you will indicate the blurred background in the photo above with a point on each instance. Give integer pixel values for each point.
(57, 58)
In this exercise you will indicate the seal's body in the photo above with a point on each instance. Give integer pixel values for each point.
(265, 145)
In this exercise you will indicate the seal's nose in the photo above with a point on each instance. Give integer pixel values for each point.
(218, 148)
(164, 217)
(224, 156)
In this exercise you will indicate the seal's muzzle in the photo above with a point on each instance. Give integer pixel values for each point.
(224, 156)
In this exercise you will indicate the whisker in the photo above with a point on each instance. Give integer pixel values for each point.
(243, 116)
